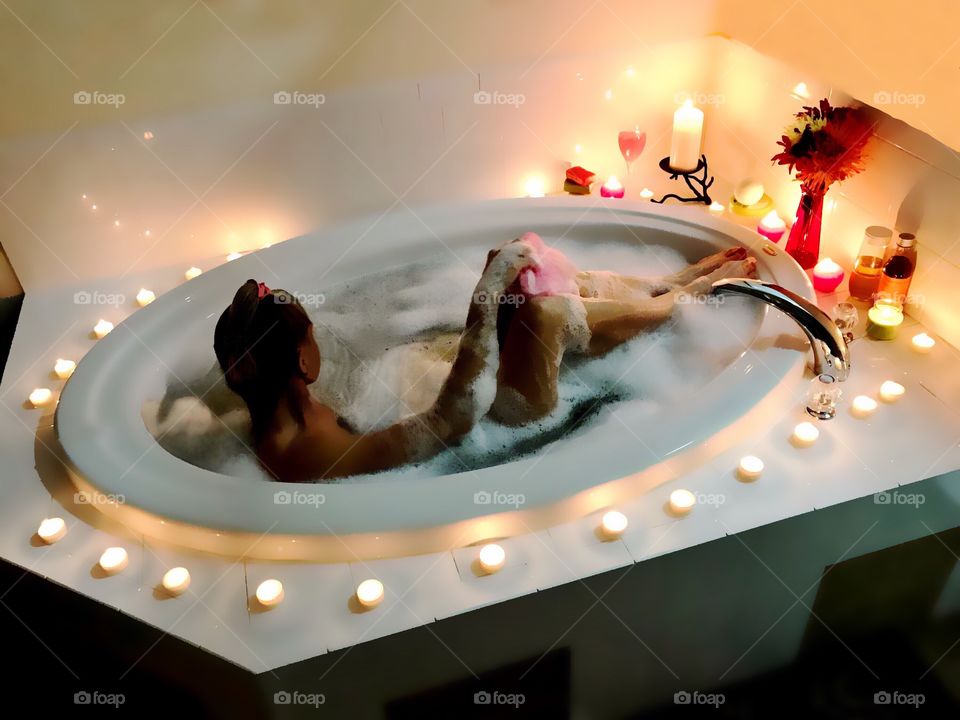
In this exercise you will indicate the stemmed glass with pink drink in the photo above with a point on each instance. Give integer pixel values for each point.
(632, 143)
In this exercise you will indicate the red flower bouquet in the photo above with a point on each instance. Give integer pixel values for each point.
(826, 145)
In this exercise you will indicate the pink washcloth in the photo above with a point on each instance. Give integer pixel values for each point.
(554, 273)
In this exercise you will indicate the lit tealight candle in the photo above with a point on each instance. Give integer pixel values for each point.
(64, 368)
(534, 187)
(40, 397)
(883, 319)
(145, 297)
(193, 272)
(492, 557)
(863, 406)
(772, 226)
(827, 276)
(234, 256)
(646, 193)
(923, 343)
(51, 530)
(750, 468)
(805, 434)
(716, 208)
(102, 328)
(613, 523)
(891, 391)
(176, 580)
(270, 593)
(682, 501)
(370, 593)
(612, 188)
(113, 560)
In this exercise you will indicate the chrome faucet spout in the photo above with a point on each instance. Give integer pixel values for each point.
(831, 356)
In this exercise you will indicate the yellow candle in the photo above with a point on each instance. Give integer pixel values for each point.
(176, 580)
(64, 368)
(40, 397)
(883, 319)
(145, 297)
(687, 132)
(370, 593)
(750, 468)
(192, 272)
(492, 557)
(891, 391)
(113, 560)
(51, 530)
(613, 524)
(270, 593)
(102, 328)
(863, 406)
(923, 343)
(682, 501)
(805, 434)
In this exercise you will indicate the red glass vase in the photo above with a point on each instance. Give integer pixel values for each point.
(803, 245)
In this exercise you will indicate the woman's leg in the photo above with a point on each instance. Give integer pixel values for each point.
(544, 328)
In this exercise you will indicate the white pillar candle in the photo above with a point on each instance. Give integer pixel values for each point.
(370, 593)
(40, 397)
(102, 328)
(51, 530)
(176, 580)
(687, 132)
(716, 208)
(805, 434)
(891, 391)
(923, 343)
(492, 557)
(613, 523)
(750, 468)
(145, 297)
(270, 593)
(863, 406)
(646, 193)
(113, 560)
(64, 368)
(682, 501)
(192, 272)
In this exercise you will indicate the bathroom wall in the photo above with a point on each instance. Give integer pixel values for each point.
(198, 160)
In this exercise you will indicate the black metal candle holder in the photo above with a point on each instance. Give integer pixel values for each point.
(698, 184)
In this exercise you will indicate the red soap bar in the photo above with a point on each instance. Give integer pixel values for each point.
(580, 176)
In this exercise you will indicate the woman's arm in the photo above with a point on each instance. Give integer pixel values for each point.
(327, 450)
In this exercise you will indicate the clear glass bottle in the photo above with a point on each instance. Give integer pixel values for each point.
(865, 278)
(898, 269)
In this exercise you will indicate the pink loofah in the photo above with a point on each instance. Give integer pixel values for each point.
(553, 275)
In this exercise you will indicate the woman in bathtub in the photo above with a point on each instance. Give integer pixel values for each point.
(507, 363)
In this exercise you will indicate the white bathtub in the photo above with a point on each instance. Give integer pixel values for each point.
(99, 423)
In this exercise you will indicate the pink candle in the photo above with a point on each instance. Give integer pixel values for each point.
(772, 226)
(827, 276)
(612, 188)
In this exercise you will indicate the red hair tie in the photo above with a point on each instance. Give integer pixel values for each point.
(262, 290)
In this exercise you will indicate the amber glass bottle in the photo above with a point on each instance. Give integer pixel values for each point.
(898, 269)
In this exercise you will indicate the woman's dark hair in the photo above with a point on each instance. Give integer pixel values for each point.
(257, 343)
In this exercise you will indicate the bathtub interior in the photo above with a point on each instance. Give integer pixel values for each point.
(387, 338)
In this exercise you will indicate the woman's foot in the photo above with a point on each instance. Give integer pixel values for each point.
(707, 265)
(741, 268)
